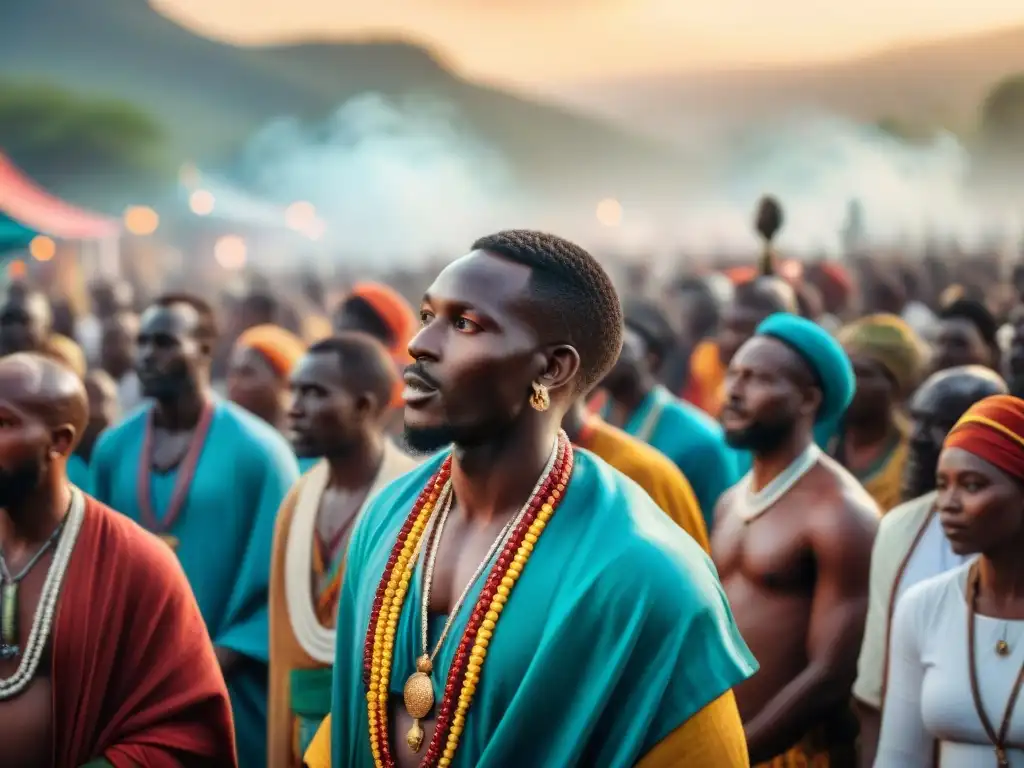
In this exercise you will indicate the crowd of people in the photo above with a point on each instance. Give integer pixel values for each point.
(762, 516)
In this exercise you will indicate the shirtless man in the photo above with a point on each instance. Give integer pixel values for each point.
(792, 542)
(106, 683)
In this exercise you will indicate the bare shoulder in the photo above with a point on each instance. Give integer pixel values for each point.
(845, 514)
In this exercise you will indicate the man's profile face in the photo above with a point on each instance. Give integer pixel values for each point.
(762, 399)
(324, 417)
(475, 354)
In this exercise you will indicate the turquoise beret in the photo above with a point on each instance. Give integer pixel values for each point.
(820, 350)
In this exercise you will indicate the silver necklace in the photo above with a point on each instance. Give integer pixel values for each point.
(756, 503)
(42, 622)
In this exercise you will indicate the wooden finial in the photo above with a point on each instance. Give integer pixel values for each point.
(768, 223)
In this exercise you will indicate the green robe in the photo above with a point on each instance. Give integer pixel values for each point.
(224, 531)
(617, 632)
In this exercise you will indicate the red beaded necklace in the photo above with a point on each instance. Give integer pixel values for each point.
(466, 667)
(182, 483)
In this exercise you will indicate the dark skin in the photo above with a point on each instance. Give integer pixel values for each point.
(869, 427)
(173, 365)
(958, 342)
(797, 582)
(935, 407)
(981, 509)
(766, 296)
(117, 344)
(25, 321)
(1014, 364)
(42, 411)
(103, 410)
(333, 416)
(632, 378)
(476, 355)
(256, 386)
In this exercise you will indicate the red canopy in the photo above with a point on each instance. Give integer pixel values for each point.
(26, 202)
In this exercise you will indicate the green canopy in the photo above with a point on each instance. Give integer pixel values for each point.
(13, 236)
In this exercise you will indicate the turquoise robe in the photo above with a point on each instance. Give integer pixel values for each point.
(78, 472)
(307, 463)
(693, 441)
(224, 531)
(617, 632)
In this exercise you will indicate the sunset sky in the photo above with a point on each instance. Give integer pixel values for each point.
(531, 41)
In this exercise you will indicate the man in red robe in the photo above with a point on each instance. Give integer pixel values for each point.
(104, 657)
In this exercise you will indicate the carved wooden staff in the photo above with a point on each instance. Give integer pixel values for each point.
(768, 223)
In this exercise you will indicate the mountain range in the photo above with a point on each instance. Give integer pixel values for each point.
(937, 83)
(209, 97)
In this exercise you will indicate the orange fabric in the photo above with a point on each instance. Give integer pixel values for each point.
(135, 678)
(993, 429)
(396, 313)
(707, 378)
(282, 348)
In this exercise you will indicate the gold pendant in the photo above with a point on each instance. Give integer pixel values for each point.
(1001, 760)
(1002, 648)
(419, 700)
(414, 738)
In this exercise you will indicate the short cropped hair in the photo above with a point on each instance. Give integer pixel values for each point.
(365, 363)
(573, 298)
(206, 330)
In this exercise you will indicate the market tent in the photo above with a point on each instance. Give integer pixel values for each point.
(25, 203)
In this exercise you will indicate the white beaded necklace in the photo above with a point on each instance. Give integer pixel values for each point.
(42, 623)
(756, 503)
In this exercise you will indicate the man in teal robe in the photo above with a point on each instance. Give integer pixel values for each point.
(645, 409)
(222, 527)
(616, 638)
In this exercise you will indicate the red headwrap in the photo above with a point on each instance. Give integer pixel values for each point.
(396, 313)
(993, 429)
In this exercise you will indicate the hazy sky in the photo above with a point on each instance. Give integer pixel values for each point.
(527, 41)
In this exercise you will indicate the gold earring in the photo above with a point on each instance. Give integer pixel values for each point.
(540, 400)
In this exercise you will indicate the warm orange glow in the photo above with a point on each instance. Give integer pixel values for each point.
(609, 212)
(229, 251)
(201, 202)
(17, 269)
(300, 215)
(42, 248)
(141, 220)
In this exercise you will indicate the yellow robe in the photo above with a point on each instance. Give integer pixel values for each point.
(302, 649)
(651, 470)
(713, 738)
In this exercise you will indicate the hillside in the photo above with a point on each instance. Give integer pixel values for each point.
(941, 82)
(209, 97)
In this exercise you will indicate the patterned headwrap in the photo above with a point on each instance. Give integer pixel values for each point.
(891, 343)
(993, 429)
(281, 348)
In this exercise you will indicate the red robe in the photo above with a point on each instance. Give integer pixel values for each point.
(135, 678)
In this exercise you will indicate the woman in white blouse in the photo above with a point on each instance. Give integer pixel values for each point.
(956, 661)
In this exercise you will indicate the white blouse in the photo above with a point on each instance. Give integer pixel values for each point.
(928, 698)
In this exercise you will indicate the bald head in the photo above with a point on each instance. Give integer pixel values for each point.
(936, 406)
(45, 390)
